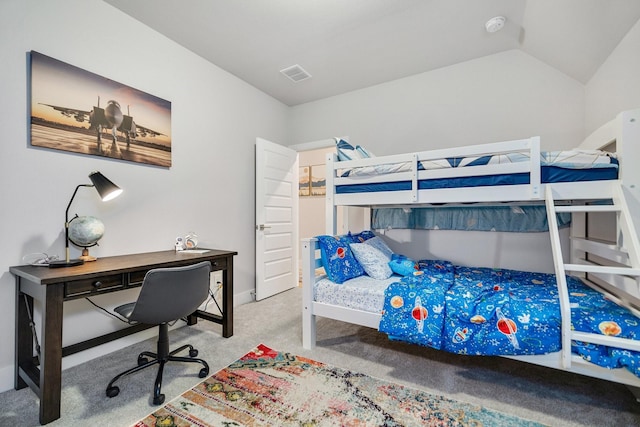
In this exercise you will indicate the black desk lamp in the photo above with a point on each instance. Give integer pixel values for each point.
(107, 190)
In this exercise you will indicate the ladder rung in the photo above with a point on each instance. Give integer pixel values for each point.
(595, 240)
(588, 208)
(625, 271)
(601, 248)
(606, 340)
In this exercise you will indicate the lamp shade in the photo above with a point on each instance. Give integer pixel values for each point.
(107, 189)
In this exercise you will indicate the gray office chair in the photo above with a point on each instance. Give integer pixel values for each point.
(167, 294)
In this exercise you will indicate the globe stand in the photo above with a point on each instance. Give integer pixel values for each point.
(85, 255)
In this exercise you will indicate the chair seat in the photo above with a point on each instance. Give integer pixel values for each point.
(125, 310)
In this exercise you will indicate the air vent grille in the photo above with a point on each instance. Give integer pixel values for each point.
(296, 73)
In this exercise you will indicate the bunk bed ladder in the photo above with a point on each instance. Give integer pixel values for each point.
(623, 265)
(563, 293)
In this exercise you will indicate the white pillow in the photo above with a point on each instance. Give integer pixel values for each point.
(380, 245)
(347, 151)
(372, 260)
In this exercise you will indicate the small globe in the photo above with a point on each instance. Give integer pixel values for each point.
(85, 231)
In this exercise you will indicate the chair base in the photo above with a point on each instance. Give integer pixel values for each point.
(147, 359)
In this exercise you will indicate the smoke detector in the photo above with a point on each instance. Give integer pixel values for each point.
(296, 73)
(495, 24)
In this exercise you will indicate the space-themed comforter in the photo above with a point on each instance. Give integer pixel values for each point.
(485, 311)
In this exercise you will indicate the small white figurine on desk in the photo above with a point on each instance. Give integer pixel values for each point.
(179, 244)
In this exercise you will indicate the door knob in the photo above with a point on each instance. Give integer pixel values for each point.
(261, 227)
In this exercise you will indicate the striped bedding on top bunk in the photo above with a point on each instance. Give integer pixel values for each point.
(556, 166)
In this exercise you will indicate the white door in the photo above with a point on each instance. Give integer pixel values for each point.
(276, 218)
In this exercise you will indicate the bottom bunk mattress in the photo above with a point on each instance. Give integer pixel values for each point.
(485, 311)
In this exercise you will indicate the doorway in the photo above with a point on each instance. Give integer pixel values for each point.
(311, 207)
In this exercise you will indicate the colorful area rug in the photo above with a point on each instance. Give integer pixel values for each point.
(269, 388)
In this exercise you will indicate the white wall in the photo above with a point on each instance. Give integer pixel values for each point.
(505, 96)
(520, 251)
(615, 87)
(209, 189)
(510, 95)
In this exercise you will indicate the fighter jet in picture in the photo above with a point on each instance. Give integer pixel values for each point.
(110, 117)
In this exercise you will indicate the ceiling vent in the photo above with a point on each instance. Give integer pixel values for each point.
(296, 73)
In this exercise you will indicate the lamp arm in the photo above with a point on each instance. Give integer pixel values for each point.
(66, 220)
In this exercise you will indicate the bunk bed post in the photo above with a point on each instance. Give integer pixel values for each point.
(627, 132)
(308, 279)
(534, 174)
(414, 177)
(561, 280)
(330, 207)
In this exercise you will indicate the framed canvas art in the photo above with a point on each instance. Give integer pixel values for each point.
(318, 180)
(304, 185)
(78, 111)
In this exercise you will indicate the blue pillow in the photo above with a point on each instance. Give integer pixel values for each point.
(360, 237)
(402, 265)
(337, 259)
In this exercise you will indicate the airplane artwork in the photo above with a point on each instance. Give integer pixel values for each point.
(110, 117)
(66, 117)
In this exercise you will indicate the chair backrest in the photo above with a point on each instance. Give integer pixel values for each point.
(171, 293)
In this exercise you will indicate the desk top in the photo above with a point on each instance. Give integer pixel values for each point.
(116, 264)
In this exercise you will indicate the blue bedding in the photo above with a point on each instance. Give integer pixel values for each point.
(484, 311)
(549, 174)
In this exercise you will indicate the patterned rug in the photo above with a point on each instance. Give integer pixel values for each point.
(270, 388)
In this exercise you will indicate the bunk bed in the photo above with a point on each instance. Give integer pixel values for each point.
(490, 174)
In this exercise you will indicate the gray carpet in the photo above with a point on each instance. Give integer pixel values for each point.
(548, 396)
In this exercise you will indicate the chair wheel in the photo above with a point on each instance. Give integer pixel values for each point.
(193, 352)
(158, 400)
(203, 372)
(113, 391)
(142, 361)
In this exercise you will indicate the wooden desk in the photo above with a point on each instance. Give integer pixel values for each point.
(52, 286)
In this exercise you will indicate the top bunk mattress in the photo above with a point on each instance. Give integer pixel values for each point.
(555, 167)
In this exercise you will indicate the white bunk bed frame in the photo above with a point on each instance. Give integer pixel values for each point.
(613, 268)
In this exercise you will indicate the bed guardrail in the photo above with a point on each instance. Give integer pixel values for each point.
(413, 173)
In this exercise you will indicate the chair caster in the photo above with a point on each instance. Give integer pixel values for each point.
(193, 352)
(142, 361)
(203, 372)
(113, 391)
(158, 400)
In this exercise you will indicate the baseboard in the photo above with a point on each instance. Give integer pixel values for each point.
(243, 298)
(6, 378)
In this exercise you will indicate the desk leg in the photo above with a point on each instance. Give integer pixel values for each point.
(227, 299)
(24, 336)
(51, 354)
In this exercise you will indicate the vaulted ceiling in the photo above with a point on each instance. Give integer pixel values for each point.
(351, 44)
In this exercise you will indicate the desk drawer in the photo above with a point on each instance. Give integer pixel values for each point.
(137, 277)
(93, 286)
(218, 264)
